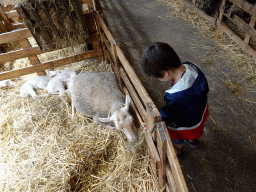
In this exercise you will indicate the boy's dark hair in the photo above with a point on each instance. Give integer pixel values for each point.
(159, 57)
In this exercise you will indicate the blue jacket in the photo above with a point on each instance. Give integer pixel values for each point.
(186, 101)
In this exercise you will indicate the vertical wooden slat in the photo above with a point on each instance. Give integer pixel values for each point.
(154, 157)
(21, 11)
(80, 15)
(222, 6)
(174, 165)
(252, 24)
(99, 29)
(68, 13)
(117, 64)
(44, 31)
(170, 179)
(152, 116)
(50, 21)
(2, 27)
(92, 29)
(161, 146)
(132, 92)
(58, 16)
(7, 22)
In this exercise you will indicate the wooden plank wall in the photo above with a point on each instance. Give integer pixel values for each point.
(12, 28)
(165, 166)
(222, 14)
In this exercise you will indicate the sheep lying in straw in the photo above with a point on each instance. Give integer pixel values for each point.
(57, 84)
(96, 95)
(39, 82)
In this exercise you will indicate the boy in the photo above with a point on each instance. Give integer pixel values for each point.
(186, 107)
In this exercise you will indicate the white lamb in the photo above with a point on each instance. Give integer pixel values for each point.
(57, 84)
(39, 82)
(97, 95)
(5, 83)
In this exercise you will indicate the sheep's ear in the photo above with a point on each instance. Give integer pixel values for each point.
(127, 101)
(105, 120)
(57, 72)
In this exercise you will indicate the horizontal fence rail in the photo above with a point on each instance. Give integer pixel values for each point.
(10, 31)
(164, 163)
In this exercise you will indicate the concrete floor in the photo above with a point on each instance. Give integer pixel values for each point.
(226, 158)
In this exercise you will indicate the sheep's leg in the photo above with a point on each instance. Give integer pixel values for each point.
(109, 127)
(96, 119)
(27, 89)
(73, 108)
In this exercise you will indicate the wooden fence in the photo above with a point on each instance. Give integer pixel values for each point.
(13, 30)
(246, 27)
(164, 163)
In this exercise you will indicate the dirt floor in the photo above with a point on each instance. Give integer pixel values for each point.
(226, 158)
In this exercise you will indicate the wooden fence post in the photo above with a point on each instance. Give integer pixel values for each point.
(162, 146)
(117, 65)
(252, 24)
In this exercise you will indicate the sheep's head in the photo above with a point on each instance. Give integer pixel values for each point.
(54, 73)
(123, 121)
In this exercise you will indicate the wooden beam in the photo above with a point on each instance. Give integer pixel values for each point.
(99, 30)
(174, 165)
(130, 72)
(50, 64)
(2, 27)
(135, 80)
(170, 179)
(55, 6)
(19, 25)
(26, 44)
(29, 25)
(247, 7)
(50, 21)
(251, 25)
(7, 8)
(49, 43)
(155, 159)
(90, 22)
(153, 116)
(14, 35)
(243, 25)
(14, 15)
(161, 147)
(221, 9)
(246, 48)
(79, 12)
(134, 95)
(5, 19)
(134, 107)
(13, 55)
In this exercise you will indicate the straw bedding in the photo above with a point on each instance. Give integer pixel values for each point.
(44, 148)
